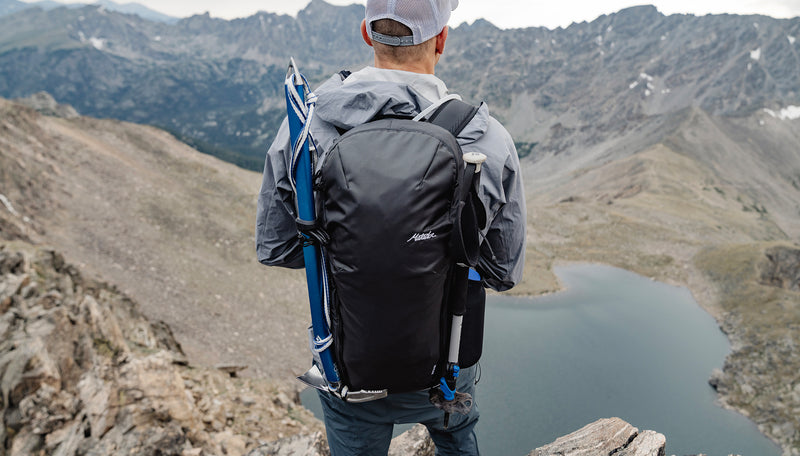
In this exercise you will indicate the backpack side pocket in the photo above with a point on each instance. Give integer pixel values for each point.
(472, 330)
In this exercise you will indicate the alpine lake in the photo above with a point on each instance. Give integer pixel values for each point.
(613, 343)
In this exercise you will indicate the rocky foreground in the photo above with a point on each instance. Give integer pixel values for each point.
(605, 437)
(83, 372)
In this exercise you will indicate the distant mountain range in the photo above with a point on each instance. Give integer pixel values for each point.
(216, 84)
(12, 6)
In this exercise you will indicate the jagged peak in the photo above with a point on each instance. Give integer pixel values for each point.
(636, 15)
(482, 23)
(204, 16)
(318, 6)
(640, 10)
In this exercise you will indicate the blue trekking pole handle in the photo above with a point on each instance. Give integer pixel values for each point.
(311, 252)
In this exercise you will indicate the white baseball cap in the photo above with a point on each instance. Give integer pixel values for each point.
(425, 18)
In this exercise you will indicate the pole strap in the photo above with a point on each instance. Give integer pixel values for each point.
(311, 232)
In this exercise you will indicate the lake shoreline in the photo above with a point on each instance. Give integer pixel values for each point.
(708, 295)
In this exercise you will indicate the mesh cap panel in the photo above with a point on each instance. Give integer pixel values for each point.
(425, 18)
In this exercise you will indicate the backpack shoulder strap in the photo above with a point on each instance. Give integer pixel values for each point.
(453, 116)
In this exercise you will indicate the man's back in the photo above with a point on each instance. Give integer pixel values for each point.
(371, 92)
(408, 37)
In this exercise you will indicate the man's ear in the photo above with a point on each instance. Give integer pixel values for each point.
(440, 40)
(365, 33)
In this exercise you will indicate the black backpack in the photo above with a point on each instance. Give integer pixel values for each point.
(391, 197)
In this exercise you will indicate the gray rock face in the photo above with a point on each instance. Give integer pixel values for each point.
(609, 436)
(70, 380)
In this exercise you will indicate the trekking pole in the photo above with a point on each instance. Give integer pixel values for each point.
(450, 399)
(300, 111)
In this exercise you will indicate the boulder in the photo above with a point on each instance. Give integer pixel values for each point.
(414, 442)
(606, 437)
(647, 443)
(298, 445)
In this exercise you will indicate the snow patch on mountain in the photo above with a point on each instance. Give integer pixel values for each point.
(787, 113)
(98, 43)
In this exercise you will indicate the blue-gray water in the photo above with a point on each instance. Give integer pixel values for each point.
(612, 344)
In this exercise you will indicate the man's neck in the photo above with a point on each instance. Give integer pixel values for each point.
(416, 67)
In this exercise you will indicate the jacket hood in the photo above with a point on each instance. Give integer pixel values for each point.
(348, 105)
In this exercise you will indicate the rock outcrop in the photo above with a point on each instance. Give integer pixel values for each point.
(609, 436)
(414, 442)
(782, 268)
(47, 105)
(83, 372)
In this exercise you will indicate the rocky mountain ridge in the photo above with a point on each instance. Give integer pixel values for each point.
(217, 84)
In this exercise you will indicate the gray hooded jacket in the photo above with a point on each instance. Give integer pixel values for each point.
(363, 95)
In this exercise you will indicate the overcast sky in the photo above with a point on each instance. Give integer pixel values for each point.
(503, 13)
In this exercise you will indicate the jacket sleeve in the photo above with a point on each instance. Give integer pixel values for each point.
(503, 248)
(276, 232)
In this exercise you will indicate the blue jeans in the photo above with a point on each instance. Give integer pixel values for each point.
(366, 429)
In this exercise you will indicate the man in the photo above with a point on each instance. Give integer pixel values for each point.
(408, 38)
